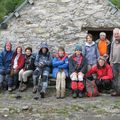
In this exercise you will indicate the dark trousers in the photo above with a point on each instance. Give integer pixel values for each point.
(4, 80)
(103, 85)
(116, 72)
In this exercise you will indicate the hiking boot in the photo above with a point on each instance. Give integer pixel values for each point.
(14, 87)
(20, 86)
(80, 94)
(115, 94)
(36, 97)
(57, 94)
(74, 95)
(23, 87)
(34, 89)
(63, 93)
(10, 89)
(42, 93)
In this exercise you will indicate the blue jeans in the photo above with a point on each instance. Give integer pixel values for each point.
(44, 73)
(116, 72)
(4, 80)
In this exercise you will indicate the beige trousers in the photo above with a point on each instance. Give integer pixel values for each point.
(60, 81)
(23, 75)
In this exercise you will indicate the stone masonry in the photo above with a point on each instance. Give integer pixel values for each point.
(58, 22)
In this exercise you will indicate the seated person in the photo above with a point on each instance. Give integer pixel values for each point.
(27, 69)
(43, 63)
(77, 69)
(104, 74)
(17, 64)
(60, 72)
(5, 65)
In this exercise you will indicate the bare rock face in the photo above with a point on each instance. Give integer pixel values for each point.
(59, 22)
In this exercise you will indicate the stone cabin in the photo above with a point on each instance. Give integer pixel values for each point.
(61, 22)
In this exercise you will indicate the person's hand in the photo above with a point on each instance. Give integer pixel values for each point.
(74, 73)
(81, 74)
(41, 64)
(15, 71)
(111, 63)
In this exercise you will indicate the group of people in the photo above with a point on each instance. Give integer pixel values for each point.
(98, 60)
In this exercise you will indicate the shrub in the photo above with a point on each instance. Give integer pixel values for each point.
(8, 6)
(116, 3)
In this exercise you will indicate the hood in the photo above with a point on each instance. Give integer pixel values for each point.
(87, 44)
(8, 43)
(43, 45)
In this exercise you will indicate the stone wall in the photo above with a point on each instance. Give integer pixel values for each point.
(58, 22)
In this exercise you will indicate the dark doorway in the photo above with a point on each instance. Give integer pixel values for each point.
(96, 33)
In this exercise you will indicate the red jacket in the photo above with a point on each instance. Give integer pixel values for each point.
(21, 60)
(104, 73)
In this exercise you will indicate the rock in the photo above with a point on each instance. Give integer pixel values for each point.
(5, 115)
(65, 0)
(36, 115)
(25, 107)
(6, 109)
(58, 22)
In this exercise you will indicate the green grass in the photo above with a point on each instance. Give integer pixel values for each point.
(8, 6)
(116, 3)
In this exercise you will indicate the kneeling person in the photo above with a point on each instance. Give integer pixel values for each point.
(104, 74)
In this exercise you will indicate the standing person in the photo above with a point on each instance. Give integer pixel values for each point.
(104, 74)
(17, 64)
(103, 45)
(60, 71)
(115, 61)
(27, 69)
(90, 51)
(5, 64)
(77, 69)
(43, 63)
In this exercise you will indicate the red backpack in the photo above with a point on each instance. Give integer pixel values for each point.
(91, 88)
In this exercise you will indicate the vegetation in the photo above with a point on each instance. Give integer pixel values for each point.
(8, 6)
(116, 3)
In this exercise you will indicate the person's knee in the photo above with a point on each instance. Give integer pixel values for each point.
(36, 72)
(58, 75)
(73, 77)
(63, 75)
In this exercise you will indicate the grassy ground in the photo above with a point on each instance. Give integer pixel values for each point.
(103, 107)
(116, 2)
(8, 6)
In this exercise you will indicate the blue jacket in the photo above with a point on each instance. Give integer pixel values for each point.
(5, 61)
(60, 64)
(43, 60)
(91, 53)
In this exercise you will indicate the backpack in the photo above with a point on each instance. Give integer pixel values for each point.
(91, 88)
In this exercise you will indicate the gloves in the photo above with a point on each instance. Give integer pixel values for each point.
(41, 64)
